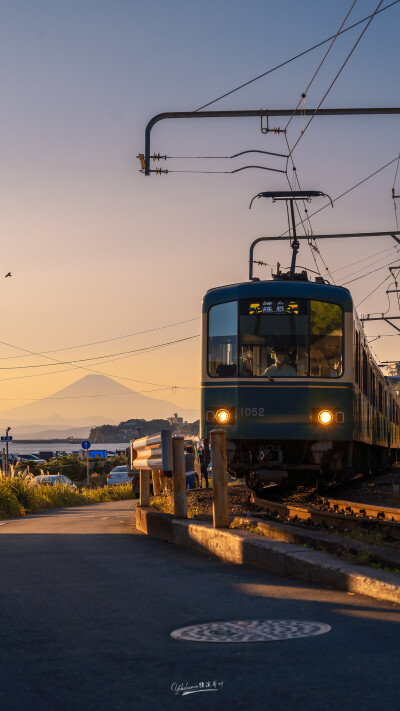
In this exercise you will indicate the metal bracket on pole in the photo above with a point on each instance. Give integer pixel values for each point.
(388, 320)
(266, 113)
(392, 233)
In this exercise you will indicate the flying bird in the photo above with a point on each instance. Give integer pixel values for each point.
(9, 274)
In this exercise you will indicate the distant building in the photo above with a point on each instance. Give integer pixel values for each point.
(175, 420)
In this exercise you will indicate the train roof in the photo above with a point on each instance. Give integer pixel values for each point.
(279, 288)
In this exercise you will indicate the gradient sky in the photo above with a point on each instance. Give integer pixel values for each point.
(96, 249)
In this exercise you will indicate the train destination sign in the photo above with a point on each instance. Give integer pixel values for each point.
(277, 306)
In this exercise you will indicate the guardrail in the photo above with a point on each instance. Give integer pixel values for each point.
(163, 453)
(151, 454)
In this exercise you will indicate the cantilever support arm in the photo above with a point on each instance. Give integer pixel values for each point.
(261, 113)
(387, 319)
(393, 233)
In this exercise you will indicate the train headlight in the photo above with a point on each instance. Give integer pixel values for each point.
(325, 417)
(223, 416)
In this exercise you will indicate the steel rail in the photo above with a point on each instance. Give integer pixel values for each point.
(381, 513)
(350, 513)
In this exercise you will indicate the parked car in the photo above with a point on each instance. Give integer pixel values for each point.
(122, 475)
(12, 458)
(31, 459)
(51, 479)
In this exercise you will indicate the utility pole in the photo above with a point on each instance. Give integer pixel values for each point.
(6, 467)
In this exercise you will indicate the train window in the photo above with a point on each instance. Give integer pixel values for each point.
(364, 372)
(357, 359)
(273, 338)
(326, 340)
(380, 402)
(222, 340)
(373, 389)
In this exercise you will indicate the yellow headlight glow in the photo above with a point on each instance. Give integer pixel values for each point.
(325, 417)
(223, 416)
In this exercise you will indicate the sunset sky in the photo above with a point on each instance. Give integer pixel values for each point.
(97, 250)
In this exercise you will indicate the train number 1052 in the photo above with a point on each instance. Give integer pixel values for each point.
(252, 411)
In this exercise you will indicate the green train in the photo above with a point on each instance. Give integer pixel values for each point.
(288, 374)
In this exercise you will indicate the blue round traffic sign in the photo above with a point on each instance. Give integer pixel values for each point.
(86, 444)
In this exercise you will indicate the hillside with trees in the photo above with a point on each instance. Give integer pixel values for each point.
(132, 429)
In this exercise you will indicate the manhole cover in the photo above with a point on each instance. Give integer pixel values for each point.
(250, 631)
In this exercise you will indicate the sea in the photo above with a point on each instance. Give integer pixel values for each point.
(42, 446)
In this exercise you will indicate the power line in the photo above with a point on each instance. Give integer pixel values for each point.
(85, 368)
(304, 94)
(219, 172)
(349, 190)
(369, 265)
(373, 291)
(368, 273)
(337, 76)
(106, 340)
(110, 355)
(311, 242)
(288, 61)
(351, 264)
(80, 397)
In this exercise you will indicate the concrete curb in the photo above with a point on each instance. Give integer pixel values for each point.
(288, 559)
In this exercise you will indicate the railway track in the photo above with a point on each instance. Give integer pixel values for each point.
(335, 513)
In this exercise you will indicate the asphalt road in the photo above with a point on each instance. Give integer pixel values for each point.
(88, 605)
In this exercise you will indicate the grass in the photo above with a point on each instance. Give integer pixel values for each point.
(166, 505)
(20, 496)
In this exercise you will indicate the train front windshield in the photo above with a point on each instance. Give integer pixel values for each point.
(282, 338)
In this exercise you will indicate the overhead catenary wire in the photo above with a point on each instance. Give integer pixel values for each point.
(235, 155)
(297, 56)
(160, 171)
(337, 76)
(346, 192)
(358, 261)
(373, 291)
(311, 242)
(397, 253)
(393, 193)
(367, 274)
(305, 92)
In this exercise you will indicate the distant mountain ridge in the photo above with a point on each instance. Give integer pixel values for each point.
(90, 401)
